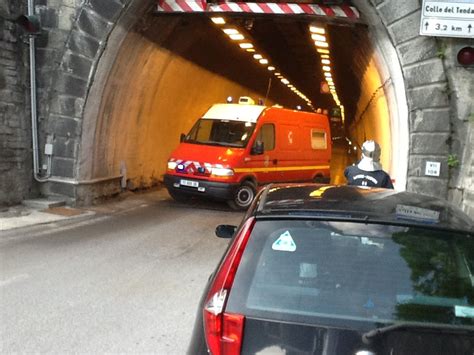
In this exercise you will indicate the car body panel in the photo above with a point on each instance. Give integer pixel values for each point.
(271, 328)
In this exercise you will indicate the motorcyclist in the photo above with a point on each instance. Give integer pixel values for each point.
(368, 171)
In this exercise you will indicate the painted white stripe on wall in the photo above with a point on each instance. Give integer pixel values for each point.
(255, 8)
(296, 8)
(275, 8)
(317, 10)
(338, 11)
(235, 7)
(175, 6)
(195, 6)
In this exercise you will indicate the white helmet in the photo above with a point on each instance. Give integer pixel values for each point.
(370, 156)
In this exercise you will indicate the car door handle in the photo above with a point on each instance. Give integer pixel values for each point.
(275, 161)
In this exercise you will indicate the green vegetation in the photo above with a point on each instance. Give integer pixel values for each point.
(453, 161)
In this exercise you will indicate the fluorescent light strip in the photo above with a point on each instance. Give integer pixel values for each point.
(316, 29)
(316, 37)
(230, 31)
(245, 45)
(237, 37)
(218, 20)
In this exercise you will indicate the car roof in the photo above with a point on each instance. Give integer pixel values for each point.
(355, 203)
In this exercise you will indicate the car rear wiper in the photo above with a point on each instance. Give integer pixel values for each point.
(368, 337)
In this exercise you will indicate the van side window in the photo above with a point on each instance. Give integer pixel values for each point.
(318, 139)
(267, 136)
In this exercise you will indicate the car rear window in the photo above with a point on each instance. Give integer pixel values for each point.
(292, 270)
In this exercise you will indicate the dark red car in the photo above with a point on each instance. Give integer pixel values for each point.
(318, 269)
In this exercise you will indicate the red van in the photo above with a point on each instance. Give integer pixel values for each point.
(234, 148)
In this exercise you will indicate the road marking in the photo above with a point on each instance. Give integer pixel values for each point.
(14, 279)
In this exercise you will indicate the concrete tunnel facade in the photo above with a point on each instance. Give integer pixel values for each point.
(152, 93)
(120, 97)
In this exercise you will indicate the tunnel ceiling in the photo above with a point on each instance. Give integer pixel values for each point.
(286, 41)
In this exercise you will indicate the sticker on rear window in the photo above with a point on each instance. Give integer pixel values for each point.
(465, 312)
(284, 243)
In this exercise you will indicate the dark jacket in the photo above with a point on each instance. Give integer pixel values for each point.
(377, 178)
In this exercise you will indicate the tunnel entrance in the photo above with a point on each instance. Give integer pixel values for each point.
(169, 68)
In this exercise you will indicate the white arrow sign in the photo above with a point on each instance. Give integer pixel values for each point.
(447, 19)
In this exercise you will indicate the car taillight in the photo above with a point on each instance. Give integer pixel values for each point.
(223, 330)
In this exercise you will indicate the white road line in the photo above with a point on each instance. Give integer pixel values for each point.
(14, 279)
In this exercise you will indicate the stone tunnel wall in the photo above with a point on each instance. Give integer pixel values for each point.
(76, 33)
(16, 182)
(440, 105)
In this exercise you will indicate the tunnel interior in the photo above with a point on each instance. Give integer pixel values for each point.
(169, 69)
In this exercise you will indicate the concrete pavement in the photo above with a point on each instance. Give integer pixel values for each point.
(24, 216)
(41, 211)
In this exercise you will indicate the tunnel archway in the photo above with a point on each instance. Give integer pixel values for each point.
(154, 90)
(114, 143)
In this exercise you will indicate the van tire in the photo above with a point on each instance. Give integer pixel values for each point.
(243, 196)
(319, 179)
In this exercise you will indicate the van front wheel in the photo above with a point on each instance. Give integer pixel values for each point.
(243, 196)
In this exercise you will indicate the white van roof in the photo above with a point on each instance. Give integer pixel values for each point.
(235, 112)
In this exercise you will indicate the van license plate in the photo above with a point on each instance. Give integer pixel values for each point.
(189, 183)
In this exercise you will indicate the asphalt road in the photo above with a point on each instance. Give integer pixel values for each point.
(126, 280)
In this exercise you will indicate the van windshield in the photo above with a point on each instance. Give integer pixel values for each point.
(220, 132)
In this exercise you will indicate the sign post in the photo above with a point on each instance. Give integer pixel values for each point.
(447, 18)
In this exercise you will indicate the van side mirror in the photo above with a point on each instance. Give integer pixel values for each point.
(225, 230)
(182, 137)
(257, 148)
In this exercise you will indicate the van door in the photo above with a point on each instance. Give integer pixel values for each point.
(290, 159)
(264, 166)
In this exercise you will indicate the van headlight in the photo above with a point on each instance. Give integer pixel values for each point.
(172, 165)
(222, 172)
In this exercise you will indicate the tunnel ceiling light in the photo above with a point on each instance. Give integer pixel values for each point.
(237, 37)
(218, 20)
(324, 56)
(230, 31)
(326, 68)
(322, 51)
(317, 29)
(321, 44)
(327, 75)
(316, 37)
(245, 45)
(325, 61)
